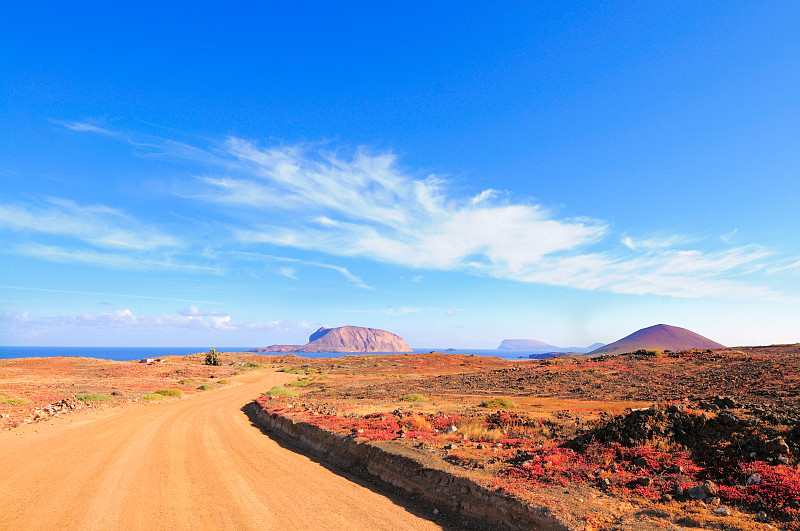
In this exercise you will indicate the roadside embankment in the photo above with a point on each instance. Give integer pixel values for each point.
(399, 467)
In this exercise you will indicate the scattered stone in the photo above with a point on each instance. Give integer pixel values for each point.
(697, 493)
(666, 498)
(754, 479)
(761, 516)
(778, 445)
(450, 446)
(644, 481)
(715, 501)
(710, 488)
(640, 461)
(722, 511)
(676, 469)
(452, 429)
(605, 483)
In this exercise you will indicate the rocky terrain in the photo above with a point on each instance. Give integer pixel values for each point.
(658, 337)
(346, 339)
(697, 438)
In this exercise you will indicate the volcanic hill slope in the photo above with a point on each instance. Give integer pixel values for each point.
(346, 339)
(658, 337)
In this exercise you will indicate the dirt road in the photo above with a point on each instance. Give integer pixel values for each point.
(192, 463)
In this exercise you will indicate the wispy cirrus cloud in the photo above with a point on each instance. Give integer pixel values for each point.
(111, 260)
(291, 273)
(106, 294)
(365, 205)
(85, 127)
(98, 225)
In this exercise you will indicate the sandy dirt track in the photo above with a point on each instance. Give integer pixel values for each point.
(192, 463)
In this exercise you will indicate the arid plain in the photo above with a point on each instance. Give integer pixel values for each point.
(650, 439)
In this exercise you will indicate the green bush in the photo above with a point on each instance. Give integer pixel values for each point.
(13, 401)
(413, 397)
(223, 382)
(204, 387)
(212, 357)
(152, 396)
(169, 392)
(94, 397)
(280, 391)
(499, 403)
(299, 383)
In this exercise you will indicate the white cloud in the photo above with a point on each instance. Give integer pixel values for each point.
(97, 225)
(793, 267)
(288, 272)
(366, 206)
(105, 294)
(686, 274)
(106, 260)
(728, 238)
(353, 279)
(194, 311)
(126, 319)
(85, 127)
(652, 242)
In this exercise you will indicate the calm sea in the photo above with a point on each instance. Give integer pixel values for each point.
(134, 353)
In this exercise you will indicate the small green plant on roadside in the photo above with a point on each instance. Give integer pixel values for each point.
(413, 397)
(212, 357)
(152, 396)
(13, 401)
(169, 392)
(204, 387)
(299, 383)
(223, 382)
(93, 397)
(499, 403)
(280, 391)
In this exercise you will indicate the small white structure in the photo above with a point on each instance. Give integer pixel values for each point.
(148, 361)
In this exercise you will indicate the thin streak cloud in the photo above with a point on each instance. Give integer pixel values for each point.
(104, 294)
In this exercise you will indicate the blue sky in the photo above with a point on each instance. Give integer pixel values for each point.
(200, 174)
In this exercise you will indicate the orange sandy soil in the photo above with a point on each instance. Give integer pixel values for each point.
(196, 462)
(38, 382)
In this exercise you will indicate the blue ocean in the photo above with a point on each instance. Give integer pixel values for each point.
(134, 353)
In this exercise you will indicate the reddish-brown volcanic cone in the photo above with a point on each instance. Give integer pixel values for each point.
(658, 337)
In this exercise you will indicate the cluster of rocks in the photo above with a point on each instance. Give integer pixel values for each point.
(54, 408)
(709, 437)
